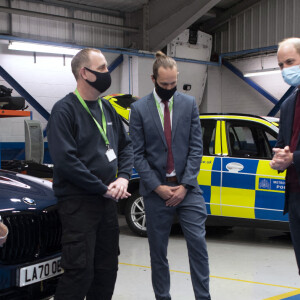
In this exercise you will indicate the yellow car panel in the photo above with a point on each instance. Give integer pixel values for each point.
(223, 137)
(241, 187)
(238, 203)
(215, 207)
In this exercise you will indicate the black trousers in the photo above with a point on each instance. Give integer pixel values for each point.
(90, 248)
(294, 218)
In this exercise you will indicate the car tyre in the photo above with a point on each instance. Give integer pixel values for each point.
(135, 214)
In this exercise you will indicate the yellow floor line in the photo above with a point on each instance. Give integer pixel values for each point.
(284, 296)
(255, 282)
(226, 278)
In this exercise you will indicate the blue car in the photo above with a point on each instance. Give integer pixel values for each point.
(30, 258)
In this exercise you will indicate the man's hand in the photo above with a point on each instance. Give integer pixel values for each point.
(164, 191)
(3, 233)
(179, 194)
(109, 194)
(118, 189)
(282, 158)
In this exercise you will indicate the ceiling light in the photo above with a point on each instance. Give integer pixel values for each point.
(34, 47)
(262, 72)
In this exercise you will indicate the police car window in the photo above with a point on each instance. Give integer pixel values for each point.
(243, 144)
(208, 136)
(272, 139)
(248, 139)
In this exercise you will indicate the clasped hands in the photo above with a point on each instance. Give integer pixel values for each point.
(117, 189)
(173, 195)
(282, 158)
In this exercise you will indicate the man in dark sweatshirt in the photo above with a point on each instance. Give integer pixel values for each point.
(93, 160)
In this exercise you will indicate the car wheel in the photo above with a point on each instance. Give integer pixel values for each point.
(135, 214)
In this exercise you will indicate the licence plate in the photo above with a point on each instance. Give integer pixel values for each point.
(38, 272)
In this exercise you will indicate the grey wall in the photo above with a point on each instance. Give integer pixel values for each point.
(264, 24)
(226, 92)
(47, 80)
(48, 29)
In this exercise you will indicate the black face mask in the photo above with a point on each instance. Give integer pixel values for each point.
(102, 82)
(164, 94)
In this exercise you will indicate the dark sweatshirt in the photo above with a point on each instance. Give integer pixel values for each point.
(77, 148)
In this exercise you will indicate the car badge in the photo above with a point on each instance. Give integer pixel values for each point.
(28, 201)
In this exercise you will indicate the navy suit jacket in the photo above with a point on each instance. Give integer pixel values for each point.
(150, 146)
(285, 132)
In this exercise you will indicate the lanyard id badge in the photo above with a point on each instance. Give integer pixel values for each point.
(110, 153)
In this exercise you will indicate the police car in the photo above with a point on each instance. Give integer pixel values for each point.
(238, 185)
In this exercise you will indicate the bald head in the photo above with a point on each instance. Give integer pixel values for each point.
(84, 59)
(295, 42)
(288, 53)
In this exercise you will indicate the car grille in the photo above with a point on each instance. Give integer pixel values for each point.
(31, 236)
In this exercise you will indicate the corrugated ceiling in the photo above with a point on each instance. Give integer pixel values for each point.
(129, 5)
(117, 5)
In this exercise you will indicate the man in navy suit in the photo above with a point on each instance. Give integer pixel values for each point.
(167, 140)
(287, 149)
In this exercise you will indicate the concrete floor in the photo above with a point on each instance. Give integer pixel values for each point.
(245, 264)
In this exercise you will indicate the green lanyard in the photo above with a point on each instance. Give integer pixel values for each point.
(161, 115)
(102, 130)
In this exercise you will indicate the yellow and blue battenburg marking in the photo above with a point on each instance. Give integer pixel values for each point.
(252, 191)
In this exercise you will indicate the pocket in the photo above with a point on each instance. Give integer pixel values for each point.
(73, 252)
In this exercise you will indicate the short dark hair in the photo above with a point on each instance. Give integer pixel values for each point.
(82, 59)
(162, 60)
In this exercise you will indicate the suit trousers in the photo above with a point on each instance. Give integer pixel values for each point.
(294, 218)
(192, 215)
(90, 248)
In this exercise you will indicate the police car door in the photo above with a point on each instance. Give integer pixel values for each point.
(249, 188)
(209, 177)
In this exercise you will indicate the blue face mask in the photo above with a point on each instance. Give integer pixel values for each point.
(291, 75)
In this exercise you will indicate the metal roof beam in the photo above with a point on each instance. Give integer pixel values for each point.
(34, 103)
(167, 19)
(82, 7)
(277, 106)
(257, 87)
(34, 14)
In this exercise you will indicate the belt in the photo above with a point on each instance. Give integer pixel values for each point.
(171, 179)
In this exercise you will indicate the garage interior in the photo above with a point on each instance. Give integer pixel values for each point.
(215, 43)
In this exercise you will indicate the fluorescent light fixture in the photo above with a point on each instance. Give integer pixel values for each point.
(262, 72)
(34, 47)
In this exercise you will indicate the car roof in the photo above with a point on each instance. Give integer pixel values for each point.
(249, 117)
(121, 102)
